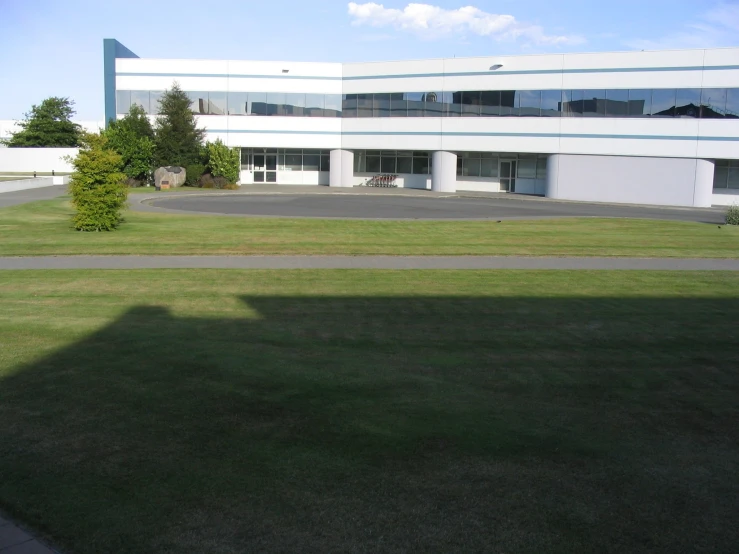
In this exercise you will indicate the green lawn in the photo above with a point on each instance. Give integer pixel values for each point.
(43, 228)
(371, 411)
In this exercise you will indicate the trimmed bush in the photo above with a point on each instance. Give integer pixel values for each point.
(732, 215)
(98, 186)
(193, 174)
(224, 161)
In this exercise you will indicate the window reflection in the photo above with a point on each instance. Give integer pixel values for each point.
(688, 102)
(640, 103)
(663, 102)
(238, 103)
(122, 101)
(713, 103)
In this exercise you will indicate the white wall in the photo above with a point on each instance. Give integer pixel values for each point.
(43, 160)
(27, 184)
(631, 180)
(725, 197)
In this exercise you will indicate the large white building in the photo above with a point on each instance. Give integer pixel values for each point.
(658, 127)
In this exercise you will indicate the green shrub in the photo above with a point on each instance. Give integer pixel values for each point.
(732, 215)
(224, 161)
(98, 186)
(194, 173)
(207, 181)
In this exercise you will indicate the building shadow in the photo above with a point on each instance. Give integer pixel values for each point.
(393, 424)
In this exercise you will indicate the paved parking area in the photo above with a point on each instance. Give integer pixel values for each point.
(14, 540)
(412, 206)
(31, 195)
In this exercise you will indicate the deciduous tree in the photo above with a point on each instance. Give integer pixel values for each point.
(48, 125)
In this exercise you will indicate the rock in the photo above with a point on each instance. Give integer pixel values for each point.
(172, 175)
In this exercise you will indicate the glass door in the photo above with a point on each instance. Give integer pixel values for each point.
(507, 175)
(265, 168)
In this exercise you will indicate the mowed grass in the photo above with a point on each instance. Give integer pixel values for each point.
(43, 228)
(371, 411)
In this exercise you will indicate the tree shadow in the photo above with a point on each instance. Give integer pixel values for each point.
(394, 424)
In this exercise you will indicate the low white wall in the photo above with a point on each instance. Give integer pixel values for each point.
(403, 180)
(27, 184)
(42, 160)
(726, 197)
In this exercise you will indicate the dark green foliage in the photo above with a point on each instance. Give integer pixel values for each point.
(194, 172)
(178, 140)
(732, 215)
(48, 125)
(209, 181)
(223, 161)
(133, 138)
(98, 189)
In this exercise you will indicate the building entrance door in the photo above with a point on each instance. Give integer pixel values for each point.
(507, 175)
(265, 168)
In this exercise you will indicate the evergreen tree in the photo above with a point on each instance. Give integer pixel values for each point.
(48, 125)
(133, 138)
(98, 190)
(178, 140)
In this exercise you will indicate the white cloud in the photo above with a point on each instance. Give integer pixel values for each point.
(716, 27)
(434, 22)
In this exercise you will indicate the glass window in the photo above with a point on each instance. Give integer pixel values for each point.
(246, 158)
(388, 164)
(617, 103)
(529, 103)
(294, 104)
(453, 103)
(373, 164)
(405, 165)
(238, 103)
(713, 103)
(721, 174)
(381, 105)
(216, 103)
(293, 161)
(732, 103)
(398, 105)
(122, 101)
(359, 161)
(527, 167)
(155, 96)
(688, 102)
(640, 102)
(276, 103)
(541, 167)
(594, 103)
(734, 175)
(551, 103)
(434, 104)
(364, 105)
(421, 165)
(486, 167)
(325, 162)
(663, 102)
(508, 102)
(572, 105)
(470, 103)
(141, 97)
(311, 162)
(314, 105)
(349, 106)
(490, 103)
(471, 167)
(415, 103)
(332, 105)
(258, 103)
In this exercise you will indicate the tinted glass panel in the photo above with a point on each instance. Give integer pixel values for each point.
(734, 176)
(311, 162)
(398, 106)
(594, 103)
(490, 103)
(314, 104)
(471, 103)
(276, 103)
(529, 103)
(486, 167)
(527, 168)
(292, 162)
(373, 164)
(332, 105)
(198, 102)
(721, 176)
(349, 106)
(325, 163)
(381, 105)
(364, 105)
(541, 168)
(295, 104)
(732, 103)
(388, 164)
(434, 105)
(551, 103)
(238, 103)
(713, 103)
(415, 104)
(216, 103)
(141, 97)
(471, 168)
(663, 102)
(453, 101)
(258, 103)
(688, 102)
(572, 105)
(617, 103)
(640, 102)
(122, 101)
(420, 166)
(405, 165)
(508, 102)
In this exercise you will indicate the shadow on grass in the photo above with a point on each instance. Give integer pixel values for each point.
(404, 424)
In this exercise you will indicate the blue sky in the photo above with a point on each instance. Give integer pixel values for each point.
(55, 48)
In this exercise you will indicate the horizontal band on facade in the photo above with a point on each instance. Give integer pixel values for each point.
(433, 75)
(473, 134)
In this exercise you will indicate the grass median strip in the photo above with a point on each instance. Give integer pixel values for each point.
(433, 411)
(42, 228)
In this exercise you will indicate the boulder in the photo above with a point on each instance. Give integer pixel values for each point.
(173, 175)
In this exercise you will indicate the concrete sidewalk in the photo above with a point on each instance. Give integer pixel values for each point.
(14, 540)
(366, 262)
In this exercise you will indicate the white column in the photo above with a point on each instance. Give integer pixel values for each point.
(552, 176)
(342, 168)
(703, 195)
(443, 171)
